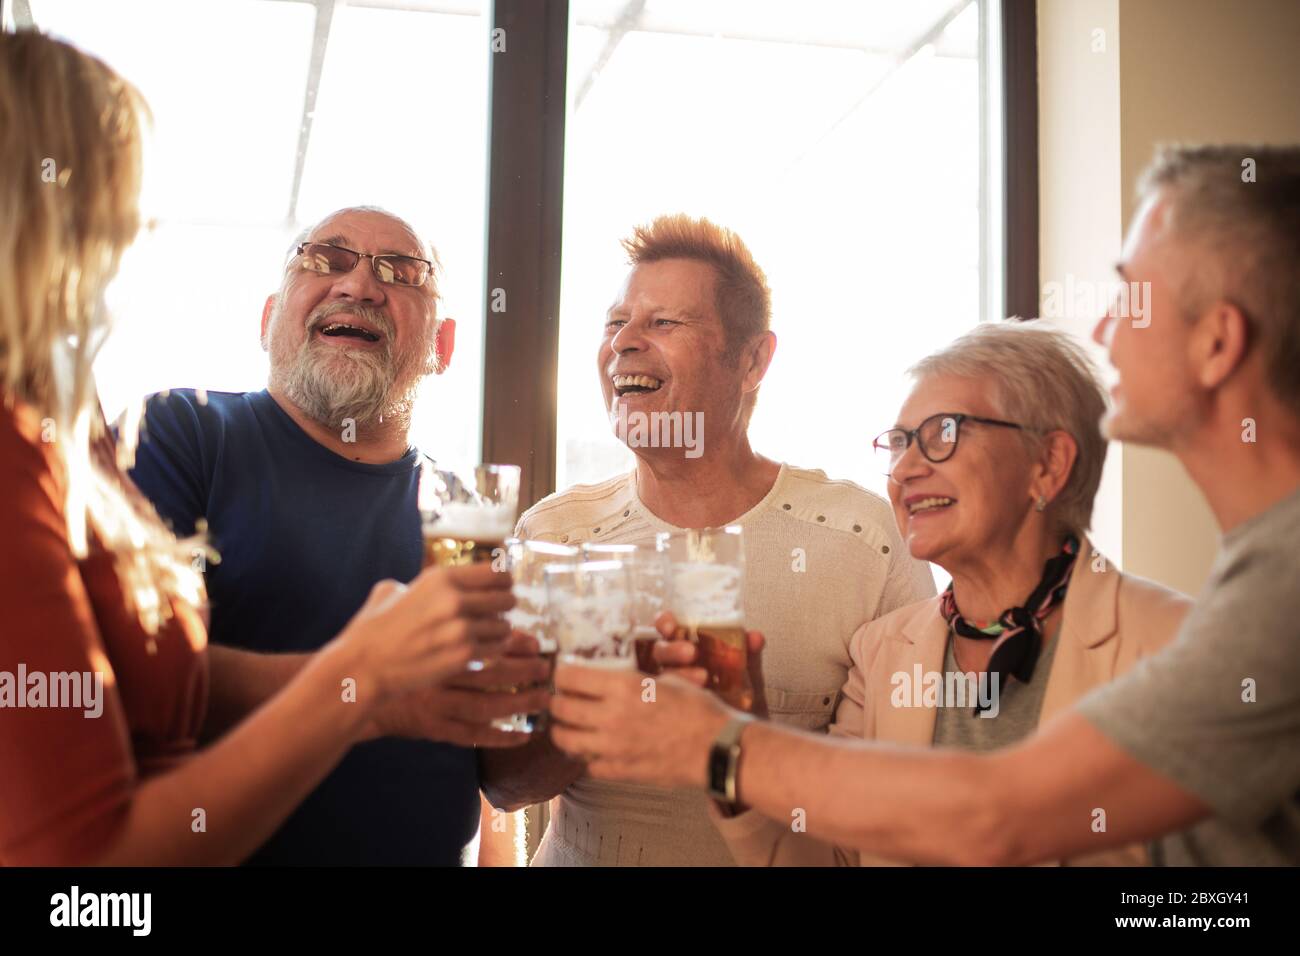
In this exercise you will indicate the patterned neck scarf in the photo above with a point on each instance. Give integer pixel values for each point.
(1018, 632)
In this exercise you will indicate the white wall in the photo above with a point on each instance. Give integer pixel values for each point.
(1170, 70)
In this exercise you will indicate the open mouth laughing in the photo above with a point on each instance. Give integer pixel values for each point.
(625, 385)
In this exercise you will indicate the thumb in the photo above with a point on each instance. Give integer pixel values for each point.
(383, 595)
(756, 642)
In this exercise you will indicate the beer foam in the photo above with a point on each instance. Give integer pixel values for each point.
(589, 623)
(525, 621)
(706, 593)
(472, 522)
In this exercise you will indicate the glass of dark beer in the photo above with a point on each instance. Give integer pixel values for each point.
(706, 594)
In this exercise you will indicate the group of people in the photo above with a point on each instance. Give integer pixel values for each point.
(283, 684)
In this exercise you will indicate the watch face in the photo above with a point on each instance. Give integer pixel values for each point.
(724, 757)
(719, 761)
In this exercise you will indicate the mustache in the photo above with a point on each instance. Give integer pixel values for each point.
(376, 317)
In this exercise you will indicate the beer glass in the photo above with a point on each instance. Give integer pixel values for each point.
(528, 561)
(648, 567)
(706, 588)
(589, 609)
(466, 518)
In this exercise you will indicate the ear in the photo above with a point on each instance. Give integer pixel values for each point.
(1060, 451)
(1218, 344)
(267, 308)
(758, 357)
(445, 342)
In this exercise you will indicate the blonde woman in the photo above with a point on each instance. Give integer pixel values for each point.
(103, 668)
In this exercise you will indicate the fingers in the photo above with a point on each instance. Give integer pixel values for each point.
(582, 713)
(595, 681)
(519, 644)
(383, 594)
(676, 653)
(479, 707)
(477, 577)
(695, 675)
(504, 671)
(756, 641)
(666, 624)
(574, 742)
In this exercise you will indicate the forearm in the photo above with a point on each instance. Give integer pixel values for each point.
(1064, 791)
(923, 806)
(513, 779)
(247, 783)
(240, 681)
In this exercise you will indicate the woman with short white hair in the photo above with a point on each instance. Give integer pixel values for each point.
(993, 466)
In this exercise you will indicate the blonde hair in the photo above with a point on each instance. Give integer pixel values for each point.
(70, 148)
(1043, 380)
(741, 295)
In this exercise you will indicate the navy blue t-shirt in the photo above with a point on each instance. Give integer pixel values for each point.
(303, 534)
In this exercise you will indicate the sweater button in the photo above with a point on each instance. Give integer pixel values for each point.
(857, 527)
(885, 550)
(564, 538)
(821, 517)
(626, 513)
(786, 507)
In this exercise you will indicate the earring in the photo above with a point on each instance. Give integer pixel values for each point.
(1040, 504)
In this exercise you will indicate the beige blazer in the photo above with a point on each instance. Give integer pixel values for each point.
(1109, 621)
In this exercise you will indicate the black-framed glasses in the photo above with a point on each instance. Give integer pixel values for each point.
(389, 268)
(937, 438)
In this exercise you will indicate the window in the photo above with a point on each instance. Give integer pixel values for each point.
(856, 147)
(268, 114)
(844, 143)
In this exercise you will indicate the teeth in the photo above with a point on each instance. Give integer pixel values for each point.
(339, 326)
(641, 381)
(925, 504)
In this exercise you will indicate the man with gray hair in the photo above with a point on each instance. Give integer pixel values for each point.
(1196, 747)
(308, 492)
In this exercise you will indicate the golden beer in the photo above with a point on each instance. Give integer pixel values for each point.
(443, 551)
(724, 653)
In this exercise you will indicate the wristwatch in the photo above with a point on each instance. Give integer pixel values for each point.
(724, 760)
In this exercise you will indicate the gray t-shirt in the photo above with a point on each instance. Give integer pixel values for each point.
(1018, 708)
(1218, 710)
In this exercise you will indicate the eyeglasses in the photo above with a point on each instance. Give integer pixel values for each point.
(325, 259)
(936, 437)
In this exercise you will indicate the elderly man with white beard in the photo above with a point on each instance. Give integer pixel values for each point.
(307, 490)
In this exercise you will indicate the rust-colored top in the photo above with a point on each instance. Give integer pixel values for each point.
(66, 775)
